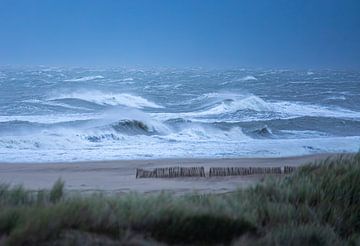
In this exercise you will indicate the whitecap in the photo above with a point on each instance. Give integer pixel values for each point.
(108, 98)
(302, 109)
(232, 105)
(247, 78)
(86, 78)
(2, 75)
(341, 97)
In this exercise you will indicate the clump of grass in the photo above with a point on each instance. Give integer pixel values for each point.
(316, 205)
(57, 191)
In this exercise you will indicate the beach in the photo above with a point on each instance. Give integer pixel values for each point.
(119, 176)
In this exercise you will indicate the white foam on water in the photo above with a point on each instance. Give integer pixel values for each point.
(305, 133)
(247, 78)
(108, 98)
(86, 78)
(197, 133)
(67, 146)
(2, 75)
(295, 109)
(340, 97)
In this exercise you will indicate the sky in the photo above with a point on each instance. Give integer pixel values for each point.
(181, 33)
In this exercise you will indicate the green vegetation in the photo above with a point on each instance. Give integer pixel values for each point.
(319, 204)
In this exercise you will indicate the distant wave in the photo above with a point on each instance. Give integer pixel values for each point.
(86, 78)
(54, 104)
(303, 109)
(48, 119)
(231, 105)
(341, 97)
(2, 75)
(247, 78)
(113, 99)
(241, 79)
(221, 103)
(8, 126)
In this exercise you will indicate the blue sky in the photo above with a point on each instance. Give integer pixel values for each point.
(181, 33)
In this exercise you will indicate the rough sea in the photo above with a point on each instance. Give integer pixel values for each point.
(52, 114)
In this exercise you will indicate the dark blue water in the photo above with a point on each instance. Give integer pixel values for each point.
(58, 114)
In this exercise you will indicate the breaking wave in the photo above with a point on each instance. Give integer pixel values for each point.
(133, 127)
(227, 104)
(112, 99)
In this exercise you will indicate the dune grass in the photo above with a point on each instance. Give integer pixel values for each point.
(319, 204)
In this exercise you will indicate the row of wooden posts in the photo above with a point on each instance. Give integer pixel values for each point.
(172, 172)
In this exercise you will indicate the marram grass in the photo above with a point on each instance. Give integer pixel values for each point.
(319, 204)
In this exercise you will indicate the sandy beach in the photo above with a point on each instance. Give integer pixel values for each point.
(119, 176)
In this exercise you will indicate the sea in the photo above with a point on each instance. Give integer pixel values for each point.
(57, 114)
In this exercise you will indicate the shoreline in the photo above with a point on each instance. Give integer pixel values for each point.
(119, 176)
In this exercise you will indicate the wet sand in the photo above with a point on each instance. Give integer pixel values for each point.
(119, 176)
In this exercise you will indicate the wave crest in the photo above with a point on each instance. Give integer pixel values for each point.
(112, 99)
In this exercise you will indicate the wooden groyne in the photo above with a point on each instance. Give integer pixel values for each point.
(242, 171)
(173, 172)
(289, 169)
